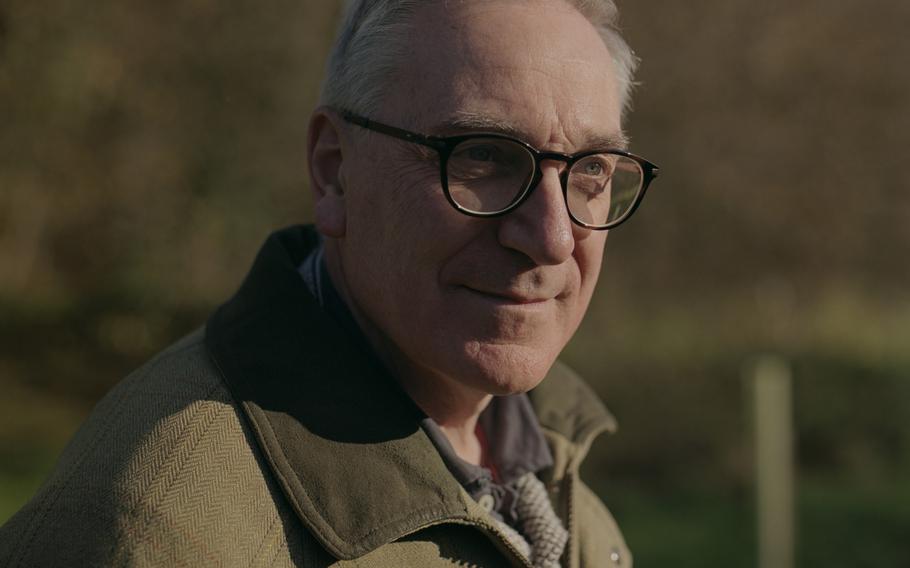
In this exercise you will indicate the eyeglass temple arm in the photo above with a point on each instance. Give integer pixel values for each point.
(375, 126)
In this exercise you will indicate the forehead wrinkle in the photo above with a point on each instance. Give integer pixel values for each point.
(464, 121)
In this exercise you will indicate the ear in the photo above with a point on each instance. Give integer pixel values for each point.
(324, 160)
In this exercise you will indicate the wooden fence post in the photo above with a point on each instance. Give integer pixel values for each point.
(772, 390)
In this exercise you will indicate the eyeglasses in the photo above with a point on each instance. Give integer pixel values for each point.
(487, 175)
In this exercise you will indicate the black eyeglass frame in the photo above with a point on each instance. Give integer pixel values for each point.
(445, 145)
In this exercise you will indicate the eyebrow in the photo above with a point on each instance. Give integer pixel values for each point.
(476, 122)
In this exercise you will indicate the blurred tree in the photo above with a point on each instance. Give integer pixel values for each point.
(147, 149)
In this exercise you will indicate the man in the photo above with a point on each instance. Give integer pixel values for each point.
(360, 401)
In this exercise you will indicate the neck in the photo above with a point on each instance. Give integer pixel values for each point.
(451, 404)
(454, 407)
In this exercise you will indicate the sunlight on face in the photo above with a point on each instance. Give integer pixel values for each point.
(488, 303)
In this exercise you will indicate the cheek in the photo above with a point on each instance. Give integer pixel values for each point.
(401, 194)
(385, 208)
(418, 199)
(404, 230)
(430, 231)
(589, 252)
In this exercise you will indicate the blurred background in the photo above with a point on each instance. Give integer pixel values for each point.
(147, 149)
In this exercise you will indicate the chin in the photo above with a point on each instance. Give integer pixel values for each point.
(504, 369)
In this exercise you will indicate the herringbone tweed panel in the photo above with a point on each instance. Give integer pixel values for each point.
(162, 474)
(166, 472)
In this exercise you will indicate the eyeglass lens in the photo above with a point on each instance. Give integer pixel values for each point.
(487, 175)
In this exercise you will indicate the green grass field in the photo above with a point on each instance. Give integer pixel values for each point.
(840, 523)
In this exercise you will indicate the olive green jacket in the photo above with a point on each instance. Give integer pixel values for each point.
(270, 439)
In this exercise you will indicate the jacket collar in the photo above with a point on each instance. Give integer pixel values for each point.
(341, 437)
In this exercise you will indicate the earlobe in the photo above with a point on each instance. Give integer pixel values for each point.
(330, 213)
(325, 159)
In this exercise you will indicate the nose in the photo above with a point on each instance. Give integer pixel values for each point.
(540, 227)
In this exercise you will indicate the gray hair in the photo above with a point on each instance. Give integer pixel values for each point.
(372, 42)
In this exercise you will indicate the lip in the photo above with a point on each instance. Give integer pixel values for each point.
(508, 297)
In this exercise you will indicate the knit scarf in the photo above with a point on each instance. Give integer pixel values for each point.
(542, 538)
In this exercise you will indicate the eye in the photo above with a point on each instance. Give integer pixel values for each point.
(480, 153)
(597, 166)
(593, 169)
